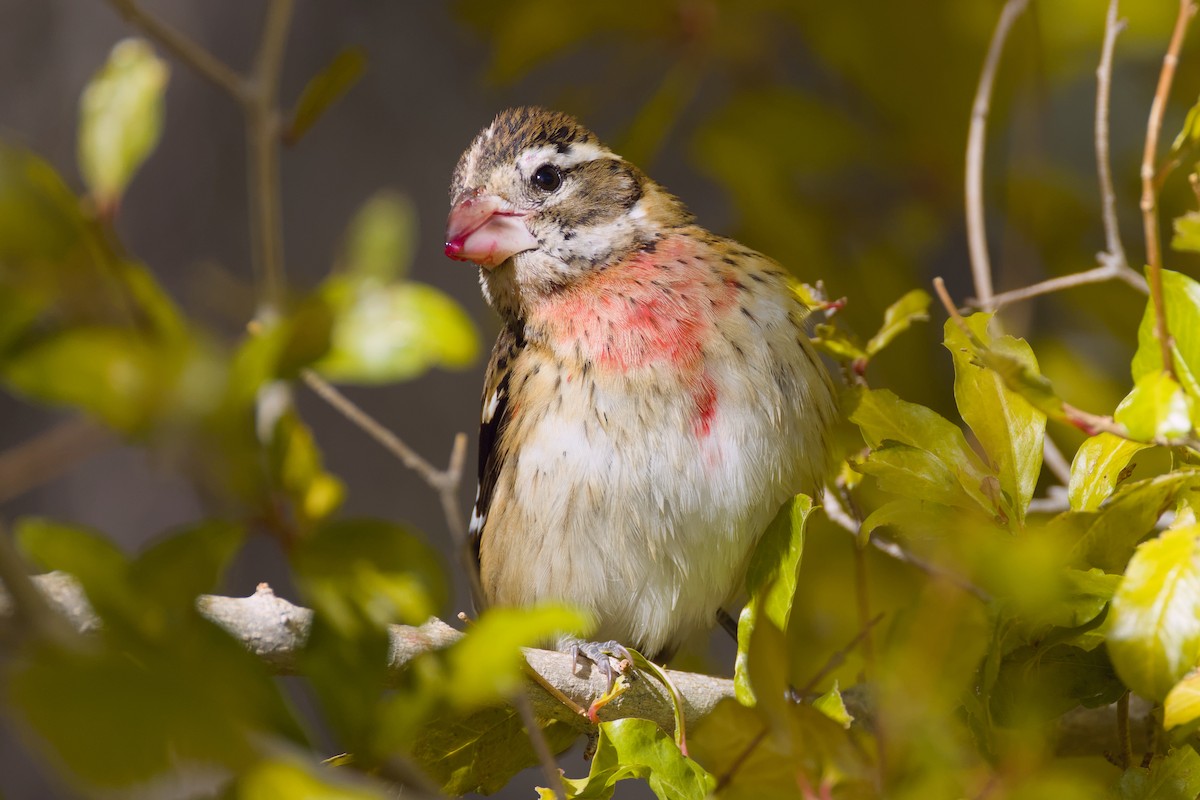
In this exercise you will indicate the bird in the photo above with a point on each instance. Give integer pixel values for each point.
(652, 399)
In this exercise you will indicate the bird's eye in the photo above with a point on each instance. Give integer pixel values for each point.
(547, 178)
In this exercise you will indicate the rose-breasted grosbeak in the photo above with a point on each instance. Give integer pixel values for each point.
(652, 398)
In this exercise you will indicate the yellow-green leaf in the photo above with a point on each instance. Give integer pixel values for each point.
(1183, 702)
(120, 118)
(1099, 465)
(1157, 408)
(1182, 298)
(899, 317)
(1008, 427)
(1154, 634)
(637, 748)
(382, 238)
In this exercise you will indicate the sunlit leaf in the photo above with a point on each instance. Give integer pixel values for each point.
(1099, 465)
(1182, 298)
(120, 118)
(899, 317)
(833, 706)
(1176, 777)
(485, 665)
(324, 89)
(637, 748)
(882, 416)
(1182, 704)
(1157, 408)
(394, 332)
(296, 466)
(382, 238)
(1154, 635)
(775, 565)
(1105, 538)
(1009, 429)
(1187, 227)
(912, 472)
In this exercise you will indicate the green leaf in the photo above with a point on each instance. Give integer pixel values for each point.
(882, 416)
(1099, 465)
(382, 238)
(89, 556)
(911, 472)
(485, 665)
(324, 89)
(1038, 683)
(1009, 429)
(775, 565)
(833, 706)
(899, 317)
(838, 343)
(120, 118)
(482, 751)
(637, 748)
(1176, 777)
(1106, 538)
(1154, 635)
(112, 373)
(1156, 409)
(394, 332)
(177, 569)
(1182, 704)
(368, 574)
(295, 465)
(1182, 297)
(270, 780)
(1187, 228)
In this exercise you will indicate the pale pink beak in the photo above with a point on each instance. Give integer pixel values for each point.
(485, 229)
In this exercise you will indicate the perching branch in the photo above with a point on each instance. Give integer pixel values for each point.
(981, 267)
(1149, 202)
(275, 631)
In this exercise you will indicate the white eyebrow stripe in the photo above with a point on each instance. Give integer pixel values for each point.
(579, 153)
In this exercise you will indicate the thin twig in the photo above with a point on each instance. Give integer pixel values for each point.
(262, 149)
(541, 747)
(1123, 731)
(839, 658)
(50, 454)
(189, 52)
(981, 267)
(1054, 460)
(445, 482)
(1149, 202)
(839, 516)
(1101, 274)
(1114, 254)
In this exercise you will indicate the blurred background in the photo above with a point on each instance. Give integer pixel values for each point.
(830, 136)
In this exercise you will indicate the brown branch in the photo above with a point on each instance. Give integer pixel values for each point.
(1149, 202)
(189, 52)
(981, 267)
(50, 454)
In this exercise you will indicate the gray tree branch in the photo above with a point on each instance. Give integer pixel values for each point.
(275, 631)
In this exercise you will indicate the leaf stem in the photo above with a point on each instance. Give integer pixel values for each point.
(1149, 202)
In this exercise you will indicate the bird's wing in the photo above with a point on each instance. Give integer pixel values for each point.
(492, 424)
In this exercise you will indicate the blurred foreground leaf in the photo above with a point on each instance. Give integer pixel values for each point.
(324, 89)
(120, 118)
(1175, 777)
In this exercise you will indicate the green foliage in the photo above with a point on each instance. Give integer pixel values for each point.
(120, 118)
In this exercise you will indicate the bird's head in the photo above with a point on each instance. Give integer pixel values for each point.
(538, 202)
